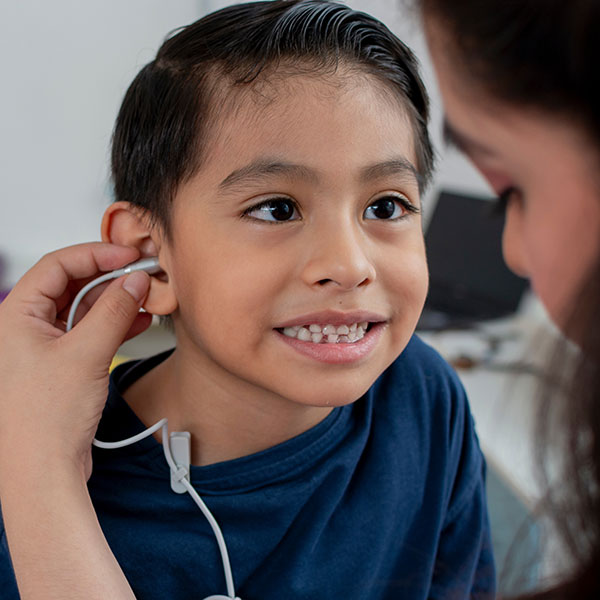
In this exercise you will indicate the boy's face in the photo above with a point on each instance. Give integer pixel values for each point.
(301, 216)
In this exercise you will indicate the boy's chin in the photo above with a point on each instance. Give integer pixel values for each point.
(334, 397)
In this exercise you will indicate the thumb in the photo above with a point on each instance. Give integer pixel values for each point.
(106, 324)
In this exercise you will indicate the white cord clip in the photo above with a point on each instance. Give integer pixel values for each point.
(180, 449)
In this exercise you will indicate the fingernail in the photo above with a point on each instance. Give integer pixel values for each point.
(136, 284)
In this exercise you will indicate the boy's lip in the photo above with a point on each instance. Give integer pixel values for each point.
(331, 317)
(338, 353)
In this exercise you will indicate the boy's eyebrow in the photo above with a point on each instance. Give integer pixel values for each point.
(463, 142)
(264, 168)
(395, 166)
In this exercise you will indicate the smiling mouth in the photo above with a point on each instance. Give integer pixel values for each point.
(327, 334)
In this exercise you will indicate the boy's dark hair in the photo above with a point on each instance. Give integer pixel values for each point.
(163, 123)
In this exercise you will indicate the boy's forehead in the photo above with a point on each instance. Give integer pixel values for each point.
(263, 113)
(280, 85)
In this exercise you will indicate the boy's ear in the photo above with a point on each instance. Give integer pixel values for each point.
(128, 225)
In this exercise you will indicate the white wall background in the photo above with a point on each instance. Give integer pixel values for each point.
(65, 66)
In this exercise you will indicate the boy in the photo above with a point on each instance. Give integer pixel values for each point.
(272, 157)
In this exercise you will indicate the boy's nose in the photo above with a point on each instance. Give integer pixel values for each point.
(338, 258)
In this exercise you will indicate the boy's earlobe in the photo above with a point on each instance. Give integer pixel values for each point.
(126, 225)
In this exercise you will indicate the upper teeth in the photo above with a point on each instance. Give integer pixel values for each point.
(327, 334)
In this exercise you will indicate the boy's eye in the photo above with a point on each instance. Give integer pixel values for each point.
(276, 209)
(389, 207)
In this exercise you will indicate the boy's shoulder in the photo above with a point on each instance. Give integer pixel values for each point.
(420, 406)
(420, 398)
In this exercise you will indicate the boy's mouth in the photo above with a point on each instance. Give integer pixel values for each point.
(327, 334)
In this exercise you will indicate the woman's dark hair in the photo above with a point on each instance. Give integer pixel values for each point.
(544, 55)
(530, 53)
(161, 130)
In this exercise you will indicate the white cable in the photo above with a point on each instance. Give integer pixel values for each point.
(150, 265)
(182, 472)
(218, 535)
(133, 439)
(83, 291)
(205, 511)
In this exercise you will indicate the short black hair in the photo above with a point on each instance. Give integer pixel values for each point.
(167, 110)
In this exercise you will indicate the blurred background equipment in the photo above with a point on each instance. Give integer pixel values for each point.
(468, 280)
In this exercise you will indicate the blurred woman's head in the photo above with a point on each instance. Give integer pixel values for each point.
(521, 89)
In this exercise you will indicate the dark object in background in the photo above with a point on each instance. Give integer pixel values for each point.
(468, 280)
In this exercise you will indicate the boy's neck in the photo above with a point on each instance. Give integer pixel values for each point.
(225, 424)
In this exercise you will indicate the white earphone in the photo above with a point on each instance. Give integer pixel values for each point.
(176, 447)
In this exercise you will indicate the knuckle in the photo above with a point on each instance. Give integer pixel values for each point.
(48, 258)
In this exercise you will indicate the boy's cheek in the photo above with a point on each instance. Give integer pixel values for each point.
(408, 275)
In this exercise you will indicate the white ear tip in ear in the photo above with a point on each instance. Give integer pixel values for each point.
(150, 265)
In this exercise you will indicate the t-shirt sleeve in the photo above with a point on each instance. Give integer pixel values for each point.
(464, 564)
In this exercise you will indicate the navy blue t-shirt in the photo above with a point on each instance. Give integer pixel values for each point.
(384, 499)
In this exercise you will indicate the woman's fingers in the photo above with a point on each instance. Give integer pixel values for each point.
(47, 281)
(111, 318)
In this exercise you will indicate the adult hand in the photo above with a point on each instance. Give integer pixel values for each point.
(53, 387)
